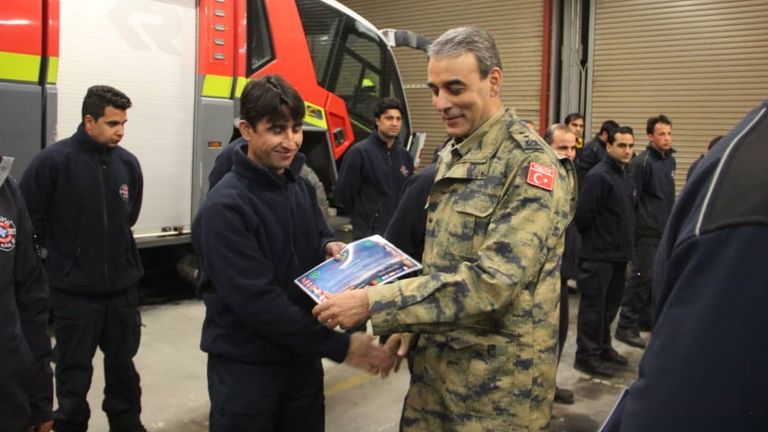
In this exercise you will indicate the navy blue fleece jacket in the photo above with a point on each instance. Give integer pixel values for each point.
(254, 234)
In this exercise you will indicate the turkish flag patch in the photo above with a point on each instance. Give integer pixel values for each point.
(541, 176)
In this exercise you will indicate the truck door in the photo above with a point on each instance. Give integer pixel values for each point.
(29, 50)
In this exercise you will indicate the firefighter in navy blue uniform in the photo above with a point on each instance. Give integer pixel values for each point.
(374, 172)
(605, 218)
(408, 225)
(705, 367)
(256, 231)
(594, 151)
(26, 389)
(84, 195)
(653, 172)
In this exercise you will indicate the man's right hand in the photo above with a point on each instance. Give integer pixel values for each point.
(364, 354)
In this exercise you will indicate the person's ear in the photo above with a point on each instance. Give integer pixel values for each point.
(88, 122)
(245, 130)
(495, 79)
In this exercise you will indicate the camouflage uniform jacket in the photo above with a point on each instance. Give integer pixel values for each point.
(486, 307)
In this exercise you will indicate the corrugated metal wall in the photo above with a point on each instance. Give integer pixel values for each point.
(515, 24)
(703, 63)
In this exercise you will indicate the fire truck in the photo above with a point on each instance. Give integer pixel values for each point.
(184, 63)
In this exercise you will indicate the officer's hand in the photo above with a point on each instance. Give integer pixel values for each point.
(44, 427)
(398, 345)
(333, 249)
(364, 354)
(346, 310)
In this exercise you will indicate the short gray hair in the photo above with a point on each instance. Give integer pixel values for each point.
(459, 40)
(549, 134)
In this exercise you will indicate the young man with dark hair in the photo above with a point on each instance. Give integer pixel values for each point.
(374, 172)
(256, 231)
(594, 151)
(653, 172)
(84, 195)
(605, 218)
(26, 389)
(575, 121)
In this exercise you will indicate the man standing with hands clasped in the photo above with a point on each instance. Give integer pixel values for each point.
(485, 307)
(256, 231)
(84, 194)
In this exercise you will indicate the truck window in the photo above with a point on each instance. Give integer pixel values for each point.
(321, 26)
(259, 40)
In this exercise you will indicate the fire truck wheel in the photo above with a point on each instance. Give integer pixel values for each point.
(322, 198)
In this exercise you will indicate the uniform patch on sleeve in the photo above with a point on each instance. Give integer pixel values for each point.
(7, 234)
(541, 176)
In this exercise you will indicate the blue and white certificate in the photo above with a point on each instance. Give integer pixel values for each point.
(365, 262)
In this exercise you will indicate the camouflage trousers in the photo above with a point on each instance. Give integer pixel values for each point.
(458, 384)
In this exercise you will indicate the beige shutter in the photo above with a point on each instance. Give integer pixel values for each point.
(515, 24)
(703, 63)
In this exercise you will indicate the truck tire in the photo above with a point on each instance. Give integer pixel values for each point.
(322, 198)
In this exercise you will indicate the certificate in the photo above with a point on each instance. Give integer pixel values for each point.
(365, 262)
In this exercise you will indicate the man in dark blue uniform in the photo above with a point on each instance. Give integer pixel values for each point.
(705, 367)
(605, 218)
(256, 231)
(84, 195)
(26, 381)
(373, 173)
(594, 151)
(653, 172)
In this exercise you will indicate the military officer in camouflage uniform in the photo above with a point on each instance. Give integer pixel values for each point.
(486, 306)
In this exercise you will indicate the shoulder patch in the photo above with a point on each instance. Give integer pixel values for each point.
(7, 235)
(541, 176)
(527, 138)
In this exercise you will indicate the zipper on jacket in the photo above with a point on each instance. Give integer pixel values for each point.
(102, 185)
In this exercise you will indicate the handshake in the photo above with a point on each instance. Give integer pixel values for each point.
(349, 309)
(364, 353)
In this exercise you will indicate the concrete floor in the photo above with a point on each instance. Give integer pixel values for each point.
(175, 398)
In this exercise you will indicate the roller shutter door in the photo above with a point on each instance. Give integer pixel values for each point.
(516, 25)
(703, 63)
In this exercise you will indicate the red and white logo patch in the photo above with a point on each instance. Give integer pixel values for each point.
(541, 176)
(7, 235)
(124, 192)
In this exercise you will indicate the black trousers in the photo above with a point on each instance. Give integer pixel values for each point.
(601, 285)
(563, 329)
(82, 323)
(636, 304)
(266, 397)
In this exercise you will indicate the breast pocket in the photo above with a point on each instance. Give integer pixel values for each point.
(470, 216)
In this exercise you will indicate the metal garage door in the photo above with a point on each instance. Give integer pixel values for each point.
(704, 63)
(516, 25)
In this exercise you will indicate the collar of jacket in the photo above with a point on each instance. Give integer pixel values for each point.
(466, 160)
(382, 142)
(616, 165)
(85, 141)
(5, 168)
(599, 141)
(659, 155)
(251, 170)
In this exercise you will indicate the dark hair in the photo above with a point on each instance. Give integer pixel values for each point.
(571, 117)
(651, 123)
(607, 127)
(273, 98)
(385, 104)
(475, 40)
(619, 130)
(99, 97)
